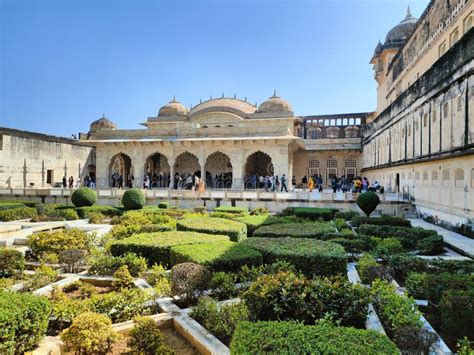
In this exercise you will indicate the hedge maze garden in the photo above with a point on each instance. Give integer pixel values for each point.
(305, 280)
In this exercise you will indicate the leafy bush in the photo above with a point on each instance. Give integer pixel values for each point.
(431, 245)
(434, 285)
(285, 296)
(108, 265)
(355, 244)
(316, 230)
(23, 320)
(310, 256)
(120, 231)
(57, 241)
(219, 320)
(133, 199)
(232, 209)
(96, 218)
(12, 262)
(122, 278)
(395, 311)
(219, 256)
(314, 213)
(457, 312)
(200, 209)
(64, 310)
(44, 275)
(413, 340)
(368, 202)
(108, 211)
(414, 285)
(10, 205)
(365, 262)
(90, 333)
(387, 247)
(236, 231)
(163, 205)
(146, 337)
(188, 280)
(260, 211)
(248, 274)
(83, 196)
(347, 215)
(158, 278)
(255, 221)
(155, 247)
(384, 221)
(222, 285)
(71, 258)
(287, 338)
(15, 214)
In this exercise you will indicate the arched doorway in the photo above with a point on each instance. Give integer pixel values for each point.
(120, 170)
(218, 171)
(186, 167)
(158, 170)
(259, 164)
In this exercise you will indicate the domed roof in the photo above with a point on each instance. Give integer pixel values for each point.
(402, 31)
(102, 123)
(275, 104)
(173, 108)
(224, 104)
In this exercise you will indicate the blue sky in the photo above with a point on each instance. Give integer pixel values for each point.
(65, 62)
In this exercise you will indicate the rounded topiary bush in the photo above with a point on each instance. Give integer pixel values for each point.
(83, 196)
(368, 202)
(133, 199)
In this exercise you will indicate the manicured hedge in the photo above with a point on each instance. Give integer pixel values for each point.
(163, 205)
(232, 209)
(133, 199)
(316, 230)
(83, 196)
(10, 205)
(288, 338)
(384, 221)
(255, 221)
(236, 231)
(355, 244)
(456, 310)
(435, 284)
(155, 247)
(23, 321)
(314, 213)
(14, 214)
(109, 211)
(23, 202)
(347, 215)
(408, 236)
(310, 256)
(219, 256)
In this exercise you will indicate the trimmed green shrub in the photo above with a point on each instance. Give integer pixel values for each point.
(387, 247)
(108, 211)
(146, 338)
(219, 256)
(456, 308)
(414, 284)
(260, 211)
(24, 202)
(219, 320)
(434, 285)
(57, 241)
(232, 209)
(347, 215)
(316, 230)
(90, 333)
(163, 205)
(44, 275)
(314, 213)
(222, 285)
(285, 296)
(83, 196)
(189, 280)
(255, 221)
(10, 205)
(108, 265)
(155, 247)
(384, 221)
(14, 214)
(23, 321)
(236, 231)
(310, 256)
(12, 262)
(368, 202)
(355, 244)
(431, 245)
(133, 199)
(288, 338)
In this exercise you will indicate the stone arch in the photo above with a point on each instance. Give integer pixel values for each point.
(187, 164)
(259, 163)
(218, 168)
(120, 166)
(158, 170)
(314, 133)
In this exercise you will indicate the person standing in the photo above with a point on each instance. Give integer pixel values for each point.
(283, 183)
(311, 184)
(71, 182)
(64, 181)
(304, 182)
(320, 183)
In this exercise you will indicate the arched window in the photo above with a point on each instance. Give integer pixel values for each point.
(314, 167)
(425, 177)
(434, 178)
(331, 170)
(332, 132)
(446, 177)
(459, 178)
(314, 133)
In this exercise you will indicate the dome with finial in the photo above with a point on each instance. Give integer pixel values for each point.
(102, 123)
(173, 108)
(275, 104)
(402, 31)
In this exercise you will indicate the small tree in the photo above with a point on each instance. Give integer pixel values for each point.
(146, 337)
(72, 258)
(368, 202)
(122, 278)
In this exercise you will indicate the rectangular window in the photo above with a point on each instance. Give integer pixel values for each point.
(445, 110)
(49, 176)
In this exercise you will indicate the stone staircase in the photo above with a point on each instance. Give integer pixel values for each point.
(408, 211)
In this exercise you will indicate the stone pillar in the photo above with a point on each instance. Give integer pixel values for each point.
(171, 162)
(102, 169)
(238, 172)
(202, 162)
(138, 166)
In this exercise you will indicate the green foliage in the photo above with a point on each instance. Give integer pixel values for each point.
(84, 289)
(90, 333)
(163, 205)
(14, 214)
(431, 245)
(83, 196)
(200, 209)
(414, 284)
(310, 256)
(255, 221)
(457, 312)
(108, 265)
(413, 340)
(236, 231)
(285, 296)
(64, 310)
(122, 278)
(247, 274)
(120, 231)
(44, 275)
(188, 280)
(395, 311)
(434, 285)
(10, 205)
(465, 347)
(12, 262)
(287, 338)
(223, 285)
(355, 243)
(57, 241)
(387, 247)
(314, 213)
(260, 211)
(71, 259)
(316, 230)
(364, 264)
(368, 202)
(383, 221)
(23, 321)
(346, 215)
(232, 209)
(219, 320)
(340, 223)
(155, 247)
(146, 337)
(108, 211)
(133, 199)
(219, 256)
(158, 278)
(96, 218)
